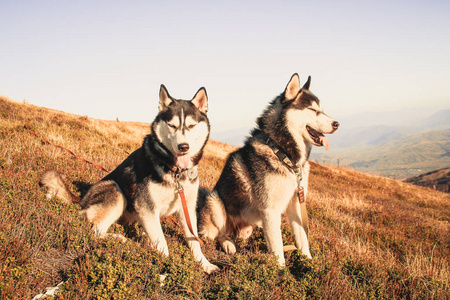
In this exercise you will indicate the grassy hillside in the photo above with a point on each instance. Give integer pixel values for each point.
(371, 237)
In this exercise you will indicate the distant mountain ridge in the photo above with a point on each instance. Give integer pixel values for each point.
(399, 159)
(353, 132)
(439, 120)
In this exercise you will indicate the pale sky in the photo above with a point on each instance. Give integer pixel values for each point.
(107, 59)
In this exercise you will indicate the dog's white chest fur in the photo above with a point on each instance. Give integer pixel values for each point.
(280, 189)
(166, 198)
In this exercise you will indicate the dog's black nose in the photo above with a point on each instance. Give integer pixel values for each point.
(184, 147)
(335, 125)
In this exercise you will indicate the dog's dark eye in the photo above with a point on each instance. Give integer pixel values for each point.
(315, 110)
(172, 126)
(191, 126)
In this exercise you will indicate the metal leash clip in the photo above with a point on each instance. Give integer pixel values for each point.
(177, 180)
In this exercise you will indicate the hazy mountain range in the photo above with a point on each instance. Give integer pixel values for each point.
(399, 144)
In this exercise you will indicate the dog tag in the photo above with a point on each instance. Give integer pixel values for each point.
(301, 195)
(192, 173)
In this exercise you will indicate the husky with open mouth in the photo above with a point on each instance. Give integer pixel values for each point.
(146, 186)
(268, 176)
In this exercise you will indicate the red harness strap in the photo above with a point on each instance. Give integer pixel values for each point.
(186, 214)
(184, 204)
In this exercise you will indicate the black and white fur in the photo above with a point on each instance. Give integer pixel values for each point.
(144, 187)
(256, 187)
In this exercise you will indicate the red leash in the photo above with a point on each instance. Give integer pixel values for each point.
(185, 209)
(186, 215)
(65, 149)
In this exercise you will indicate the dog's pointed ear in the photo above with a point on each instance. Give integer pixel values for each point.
(292, 88)
(307, 84)
(164, 98)
(200, 100)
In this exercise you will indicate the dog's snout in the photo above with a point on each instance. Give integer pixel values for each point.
(184, 147)
(335, 125)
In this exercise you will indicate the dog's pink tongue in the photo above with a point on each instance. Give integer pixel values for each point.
(183, 161)
(325, 142)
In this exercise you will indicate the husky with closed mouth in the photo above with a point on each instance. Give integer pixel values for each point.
(145, 187)
(268, 176)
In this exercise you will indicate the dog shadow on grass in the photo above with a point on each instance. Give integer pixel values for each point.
(82, 187)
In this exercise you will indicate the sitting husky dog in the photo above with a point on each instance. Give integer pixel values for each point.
(269, 175)
(145, 187)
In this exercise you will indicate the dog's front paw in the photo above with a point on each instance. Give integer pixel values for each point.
(307, 253)
(281, 262)
(210, 268)
(229, 247)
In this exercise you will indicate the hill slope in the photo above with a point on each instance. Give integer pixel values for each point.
(438, 180)
(371, 237)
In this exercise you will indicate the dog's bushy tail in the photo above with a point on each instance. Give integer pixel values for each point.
(57, 187)
(212, 219)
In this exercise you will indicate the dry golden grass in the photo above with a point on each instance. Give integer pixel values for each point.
(371, 237)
